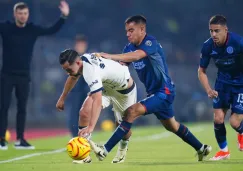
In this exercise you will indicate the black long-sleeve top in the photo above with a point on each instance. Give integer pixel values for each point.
(18, 44)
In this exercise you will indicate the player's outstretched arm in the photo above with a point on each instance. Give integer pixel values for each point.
(203, 78)
(125, 57)
(95, 113)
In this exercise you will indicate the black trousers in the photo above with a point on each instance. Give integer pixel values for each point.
(22, 87)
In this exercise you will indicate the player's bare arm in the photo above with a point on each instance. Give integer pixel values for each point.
(95, 113)
(125, 57)
(204, 81)
(70, 83)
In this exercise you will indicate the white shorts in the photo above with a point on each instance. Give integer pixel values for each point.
(119, 101)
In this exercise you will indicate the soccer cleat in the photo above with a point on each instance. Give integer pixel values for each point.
(84, 161)
(3, 144)
(203, 154)
(99, 150)
(240, 142)
(221, 155)
(120, 156)
(22, 144)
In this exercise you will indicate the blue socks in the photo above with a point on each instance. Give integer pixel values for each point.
(184, 133)
(220, 134)
(119, 133)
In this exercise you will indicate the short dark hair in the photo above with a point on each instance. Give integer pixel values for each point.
(68, 55)
(218, 19)
(20, 5)
(138, 19)
(80, 38)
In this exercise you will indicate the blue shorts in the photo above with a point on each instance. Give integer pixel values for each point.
(229, 97)
(160, 105)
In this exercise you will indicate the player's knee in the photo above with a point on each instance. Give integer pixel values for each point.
(172, 127)
(218, 119)
(234, 122)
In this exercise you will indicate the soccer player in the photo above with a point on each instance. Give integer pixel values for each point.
(148, 59)
(226, 50)
(18, 39)
(109, 83)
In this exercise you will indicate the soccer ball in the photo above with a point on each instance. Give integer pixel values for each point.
(78, 148)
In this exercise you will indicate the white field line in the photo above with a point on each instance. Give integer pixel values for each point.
(139, 138)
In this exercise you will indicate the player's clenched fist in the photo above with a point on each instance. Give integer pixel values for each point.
(212, 93)
(60, 104)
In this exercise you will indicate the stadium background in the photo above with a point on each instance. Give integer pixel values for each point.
(180, 26)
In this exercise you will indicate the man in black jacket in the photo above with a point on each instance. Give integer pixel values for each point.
(18, 41)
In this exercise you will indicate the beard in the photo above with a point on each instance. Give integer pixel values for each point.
(21, 22)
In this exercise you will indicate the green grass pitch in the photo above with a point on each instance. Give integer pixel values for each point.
(150, 148)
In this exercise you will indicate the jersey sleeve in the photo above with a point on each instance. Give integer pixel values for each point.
(91, 76)
(204, 58)
(149, 46)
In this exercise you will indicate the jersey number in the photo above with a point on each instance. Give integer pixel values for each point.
(240, 98)
(102, 65)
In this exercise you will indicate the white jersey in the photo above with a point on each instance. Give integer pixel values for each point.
(104, 74)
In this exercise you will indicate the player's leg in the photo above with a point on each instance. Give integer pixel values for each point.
(123, 144)
(132, 113)
(6, 89)
(220, 135)
(22, 89)
(221, 105)
(236, 122)
(161, 105)
(236, 118)
(121, 101)
(185, 134)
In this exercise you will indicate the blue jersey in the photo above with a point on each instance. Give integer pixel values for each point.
(152, 70)
(228, 59)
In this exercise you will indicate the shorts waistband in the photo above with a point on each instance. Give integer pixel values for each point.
(126, 91)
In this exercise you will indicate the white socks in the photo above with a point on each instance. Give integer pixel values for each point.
(123, 144)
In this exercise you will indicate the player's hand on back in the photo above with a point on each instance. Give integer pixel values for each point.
(104, 55)
(64, 8)
(60, 104)
(212, 93)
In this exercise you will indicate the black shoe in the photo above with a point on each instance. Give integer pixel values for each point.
(22, 144)
(3, 144)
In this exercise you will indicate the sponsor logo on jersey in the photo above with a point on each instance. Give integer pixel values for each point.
(240, 107)
(93, 83)
(138, 65)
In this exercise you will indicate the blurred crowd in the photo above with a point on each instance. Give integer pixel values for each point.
(180, 26)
